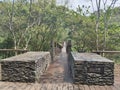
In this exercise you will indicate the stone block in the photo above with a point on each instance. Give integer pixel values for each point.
(27, 67)
(91, 69)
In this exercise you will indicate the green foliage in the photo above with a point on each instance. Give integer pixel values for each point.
(7, 43)
(35, 25)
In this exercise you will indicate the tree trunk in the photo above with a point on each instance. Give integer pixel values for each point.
(97, 37)
(98, 3)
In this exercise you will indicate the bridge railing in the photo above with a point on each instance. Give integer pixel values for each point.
(4, 53)
(110, 52)
(113, 55)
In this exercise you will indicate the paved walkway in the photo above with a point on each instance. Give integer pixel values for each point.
(58, 71)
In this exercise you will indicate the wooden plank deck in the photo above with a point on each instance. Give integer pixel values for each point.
(57, 77)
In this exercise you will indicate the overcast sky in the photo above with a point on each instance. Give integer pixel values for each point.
(74, 3)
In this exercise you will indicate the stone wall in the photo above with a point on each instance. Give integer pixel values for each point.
(91, 69)
(26, 67)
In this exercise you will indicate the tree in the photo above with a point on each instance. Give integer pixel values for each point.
(98, 5)
(106, 15)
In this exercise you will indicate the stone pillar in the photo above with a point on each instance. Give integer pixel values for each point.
(52, 51)
(68, 48)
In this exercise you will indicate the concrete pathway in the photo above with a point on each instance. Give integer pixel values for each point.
(58, 71)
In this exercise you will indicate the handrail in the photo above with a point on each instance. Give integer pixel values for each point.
(4, 53)
(106, 51)
(21, 50)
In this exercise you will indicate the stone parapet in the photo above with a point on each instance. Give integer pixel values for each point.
(91, 69)
(27, 67)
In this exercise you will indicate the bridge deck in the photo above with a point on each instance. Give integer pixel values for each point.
(57, 77)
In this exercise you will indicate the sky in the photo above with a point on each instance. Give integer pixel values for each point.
(74, 3)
